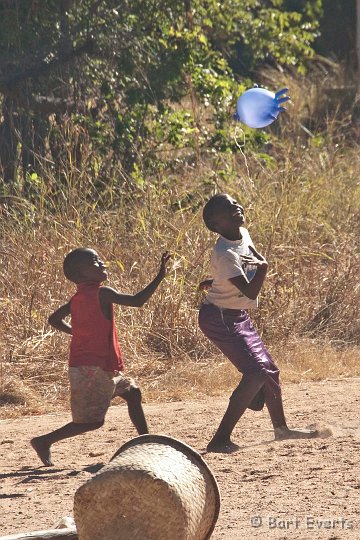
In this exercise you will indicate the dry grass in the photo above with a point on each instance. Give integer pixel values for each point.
(180, 379)
(303, 201)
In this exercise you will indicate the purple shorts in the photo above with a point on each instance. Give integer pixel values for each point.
(232, 331)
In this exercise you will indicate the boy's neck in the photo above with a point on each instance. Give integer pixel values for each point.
(232, 234)
(83, 284)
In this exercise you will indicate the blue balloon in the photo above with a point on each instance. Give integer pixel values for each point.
(259, 107)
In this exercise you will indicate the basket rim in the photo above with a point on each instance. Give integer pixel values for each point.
(185, 448)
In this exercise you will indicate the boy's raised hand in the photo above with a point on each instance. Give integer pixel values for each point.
(205, 285)
(165, 257)
(257, 259)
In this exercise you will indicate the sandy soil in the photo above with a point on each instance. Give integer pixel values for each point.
(291, 489)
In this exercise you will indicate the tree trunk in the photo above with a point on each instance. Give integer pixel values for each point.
(8, 143)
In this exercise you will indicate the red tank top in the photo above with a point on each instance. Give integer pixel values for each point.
(94, 339)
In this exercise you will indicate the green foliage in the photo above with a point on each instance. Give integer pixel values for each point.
(253, 31)
(142, 62)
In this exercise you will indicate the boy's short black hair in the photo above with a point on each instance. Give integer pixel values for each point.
(208, 211)
(71, 263)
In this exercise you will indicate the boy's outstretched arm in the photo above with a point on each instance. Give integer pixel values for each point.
(56, 319)
(109, 296)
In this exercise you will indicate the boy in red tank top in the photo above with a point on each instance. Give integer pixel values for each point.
(95, 362)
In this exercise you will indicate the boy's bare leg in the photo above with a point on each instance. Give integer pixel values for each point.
(42, 444)
(275, 407)
(136, 412)
(239, 401)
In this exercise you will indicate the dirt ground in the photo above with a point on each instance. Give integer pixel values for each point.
(290, 489)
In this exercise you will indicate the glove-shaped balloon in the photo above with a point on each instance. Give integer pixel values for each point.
(259, 107)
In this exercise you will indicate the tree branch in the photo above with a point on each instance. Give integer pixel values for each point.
(11, 84)
(8, 82)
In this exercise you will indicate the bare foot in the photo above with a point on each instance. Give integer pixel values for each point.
(283, 433)
(223, 446)
(42, 448)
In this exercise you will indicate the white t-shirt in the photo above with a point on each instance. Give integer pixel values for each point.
(226, 262)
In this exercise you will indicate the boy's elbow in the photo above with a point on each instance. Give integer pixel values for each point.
(251, 295)
(138, 301)
(53, 321)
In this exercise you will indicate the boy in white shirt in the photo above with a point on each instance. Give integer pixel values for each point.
(238, 272)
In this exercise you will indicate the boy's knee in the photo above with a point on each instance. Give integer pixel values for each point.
(96, 425)
(257, 379)
(133, 395)
(90, 426)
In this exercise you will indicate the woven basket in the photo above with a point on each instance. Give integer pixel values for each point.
(154, 488)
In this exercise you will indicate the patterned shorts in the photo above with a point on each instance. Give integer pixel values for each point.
(91, 391)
